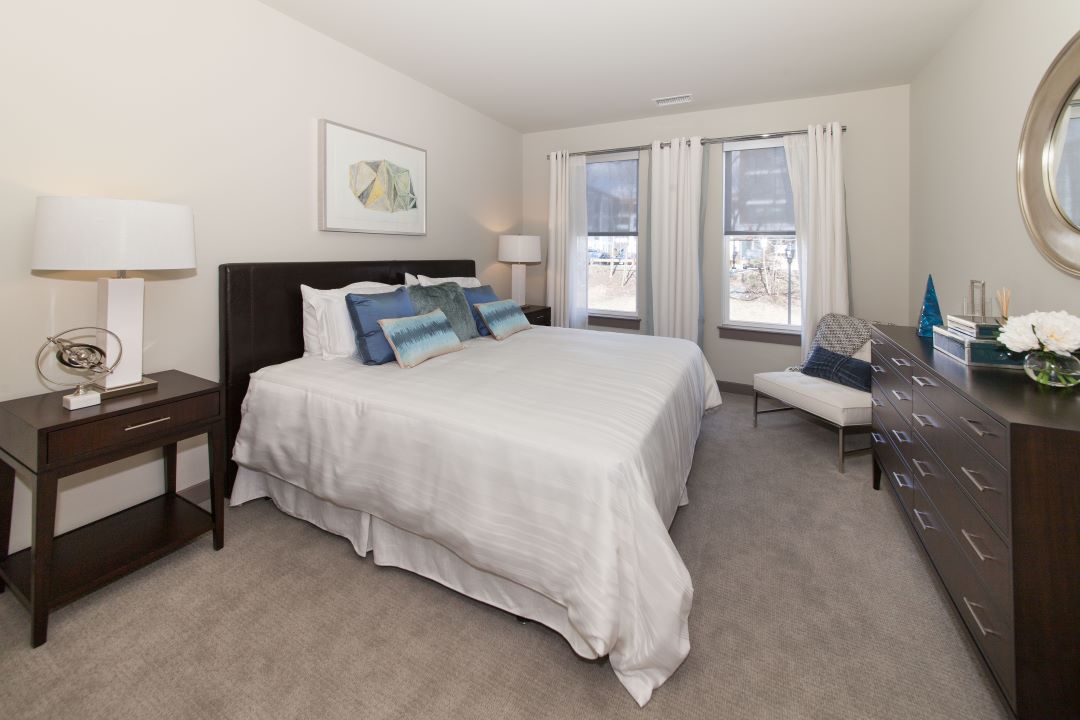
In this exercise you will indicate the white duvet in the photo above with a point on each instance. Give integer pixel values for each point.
(555, 459)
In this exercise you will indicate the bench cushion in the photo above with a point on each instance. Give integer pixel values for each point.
(838, 404)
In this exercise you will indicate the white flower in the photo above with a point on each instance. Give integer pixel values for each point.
(1057, 332)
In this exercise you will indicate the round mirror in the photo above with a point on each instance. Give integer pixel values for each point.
(1048, 166)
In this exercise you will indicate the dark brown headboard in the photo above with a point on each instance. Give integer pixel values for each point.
(261, 320)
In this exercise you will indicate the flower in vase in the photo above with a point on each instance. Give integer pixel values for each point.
(1057, 332)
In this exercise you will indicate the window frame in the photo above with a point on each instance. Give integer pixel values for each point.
(725, 277)
(642, 217)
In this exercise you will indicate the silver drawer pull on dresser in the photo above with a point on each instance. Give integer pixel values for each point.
(900, 362)
(147, 424)
(901, 436)
(923, 420)
(901, 396)
(975, 616)
(922, 381)
(970, 475)
(921, 468)
(920, 515)
(971, 541)
(976, 427)
(903, 480)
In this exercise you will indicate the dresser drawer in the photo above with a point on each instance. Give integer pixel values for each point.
(991, 629)
(892, 467)
(984, 430)
(987, 553)
(888, 419)
(91, 437)
(896, 388)
(980, 477)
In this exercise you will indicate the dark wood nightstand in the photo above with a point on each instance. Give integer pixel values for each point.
(537, 314)
(43, 442)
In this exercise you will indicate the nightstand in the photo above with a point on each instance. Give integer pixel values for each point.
(43, 442)
(537, 314)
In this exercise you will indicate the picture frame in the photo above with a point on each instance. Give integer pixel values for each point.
(369, 183)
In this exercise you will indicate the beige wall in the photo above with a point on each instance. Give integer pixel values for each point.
(967, 110)
(214, 105)
(876, 168)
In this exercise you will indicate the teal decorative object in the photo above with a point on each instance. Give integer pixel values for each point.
(931, 311)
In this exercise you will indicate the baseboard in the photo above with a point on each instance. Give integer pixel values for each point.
(734, 387)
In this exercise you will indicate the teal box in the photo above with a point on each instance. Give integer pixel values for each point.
(975, 352)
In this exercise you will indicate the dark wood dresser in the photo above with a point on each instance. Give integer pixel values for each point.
(985, 464)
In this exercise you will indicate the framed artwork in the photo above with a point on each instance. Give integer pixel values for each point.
(369, 183)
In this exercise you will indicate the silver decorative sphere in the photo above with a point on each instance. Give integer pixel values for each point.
(81, 357)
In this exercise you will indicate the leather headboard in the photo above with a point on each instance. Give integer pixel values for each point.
(261, 320)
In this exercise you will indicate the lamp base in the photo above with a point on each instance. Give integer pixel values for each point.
(136, 387)
(517, 283)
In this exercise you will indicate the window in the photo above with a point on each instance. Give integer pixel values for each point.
(611, 183)
(762, 282)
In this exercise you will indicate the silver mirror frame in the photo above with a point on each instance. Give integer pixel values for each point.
(1052, 233)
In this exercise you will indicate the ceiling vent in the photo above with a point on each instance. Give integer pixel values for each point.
(673, 100)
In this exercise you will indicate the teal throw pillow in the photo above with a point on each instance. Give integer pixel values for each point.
(420, 337)
(503, 318)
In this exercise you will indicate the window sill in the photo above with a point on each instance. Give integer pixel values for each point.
(620, 322)
(763, 336)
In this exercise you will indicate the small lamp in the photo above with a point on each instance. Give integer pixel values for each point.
(519, 249)
(115, 235)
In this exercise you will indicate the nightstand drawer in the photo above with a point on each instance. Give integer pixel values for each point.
(539, 317)
(112, 432)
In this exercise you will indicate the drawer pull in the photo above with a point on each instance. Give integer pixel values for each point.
(970, 475)
(971, 541)
(903, 480)
(875, 401)
(925, 525)
(147, 424)
(903, 397)
(900, 362)
(923, 420)
(976, 427)
(974, 616)
(878, 437)
(901, 436)
(923, 381)
(877, 368)
(875, 341)
(919, 465)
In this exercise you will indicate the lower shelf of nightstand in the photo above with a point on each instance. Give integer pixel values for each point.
(96, 554)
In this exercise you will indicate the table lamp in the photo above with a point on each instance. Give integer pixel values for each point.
(519, 249)
(115, 235)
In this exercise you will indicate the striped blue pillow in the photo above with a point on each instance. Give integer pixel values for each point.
(366, 311)
(503, 318)
(420, 337)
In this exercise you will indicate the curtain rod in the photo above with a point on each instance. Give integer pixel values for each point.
(704, 141)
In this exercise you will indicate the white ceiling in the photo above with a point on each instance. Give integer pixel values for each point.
(546, 64)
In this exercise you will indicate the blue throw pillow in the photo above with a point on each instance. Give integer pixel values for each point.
(503, 318)
(366, 311)
(420, 337)
(827, 365)
(482, 294)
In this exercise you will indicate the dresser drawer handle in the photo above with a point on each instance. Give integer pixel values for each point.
(919, 465)
(976, 427)
(901, 436)
(875, 401)
(875, 341)
(877, 368)
(925, 525)
(970, 475)
(923, 381)
(903, 397)
(923, 420)
(147, 424)
(900, 362)
(971, 541)
(974, 616)
(878, 437)
(903, 480)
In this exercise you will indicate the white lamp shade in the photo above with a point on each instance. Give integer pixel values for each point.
(106, 234)
(519, 248)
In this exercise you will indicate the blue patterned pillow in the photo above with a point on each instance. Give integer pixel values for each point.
(827, 365)
(366, 311)
(503, 318)
(420, 337)
(481, 294)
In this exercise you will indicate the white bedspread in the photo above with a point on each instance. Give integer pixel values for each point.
(556, 459)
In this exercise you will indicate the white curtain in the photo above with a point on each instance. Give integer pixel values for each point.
(816, 167)
(675, 238)
(567, 261)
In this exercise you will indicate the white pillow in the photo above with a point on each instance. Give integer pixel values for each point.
(411, 280)
(465, 282)
(328, 331)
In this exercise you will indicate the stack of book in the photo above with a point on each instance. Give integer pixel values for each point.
(972, 340)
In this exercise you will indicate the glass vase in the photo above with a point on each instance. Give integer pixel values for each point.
(1052, 369)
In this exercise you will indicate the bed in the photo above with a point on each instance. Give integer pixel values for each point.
(538, 474)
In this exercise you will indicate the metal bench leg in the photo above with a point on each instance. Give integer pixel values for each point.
(755, 407)
(840, 456)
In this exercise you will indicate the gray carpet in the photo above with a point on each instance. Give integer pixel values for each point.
(810, 602)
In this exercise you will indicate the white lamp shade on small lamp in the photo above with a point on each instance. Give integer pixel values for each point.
(519, 249)
(115, 235)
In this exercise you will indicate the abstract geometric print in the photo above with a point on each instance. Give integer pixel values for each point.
(382, 185)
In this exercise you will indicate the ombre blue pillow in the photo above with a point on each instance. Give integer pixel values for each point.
(420, 337)
(827, 365)
(482, 294)
(503, 318)
(366, 311)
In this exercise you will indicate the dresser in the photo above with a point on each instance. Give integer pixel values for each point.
(985, 465)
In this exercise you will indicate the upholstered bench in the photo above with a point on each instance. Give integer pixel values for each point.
(843, 407)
